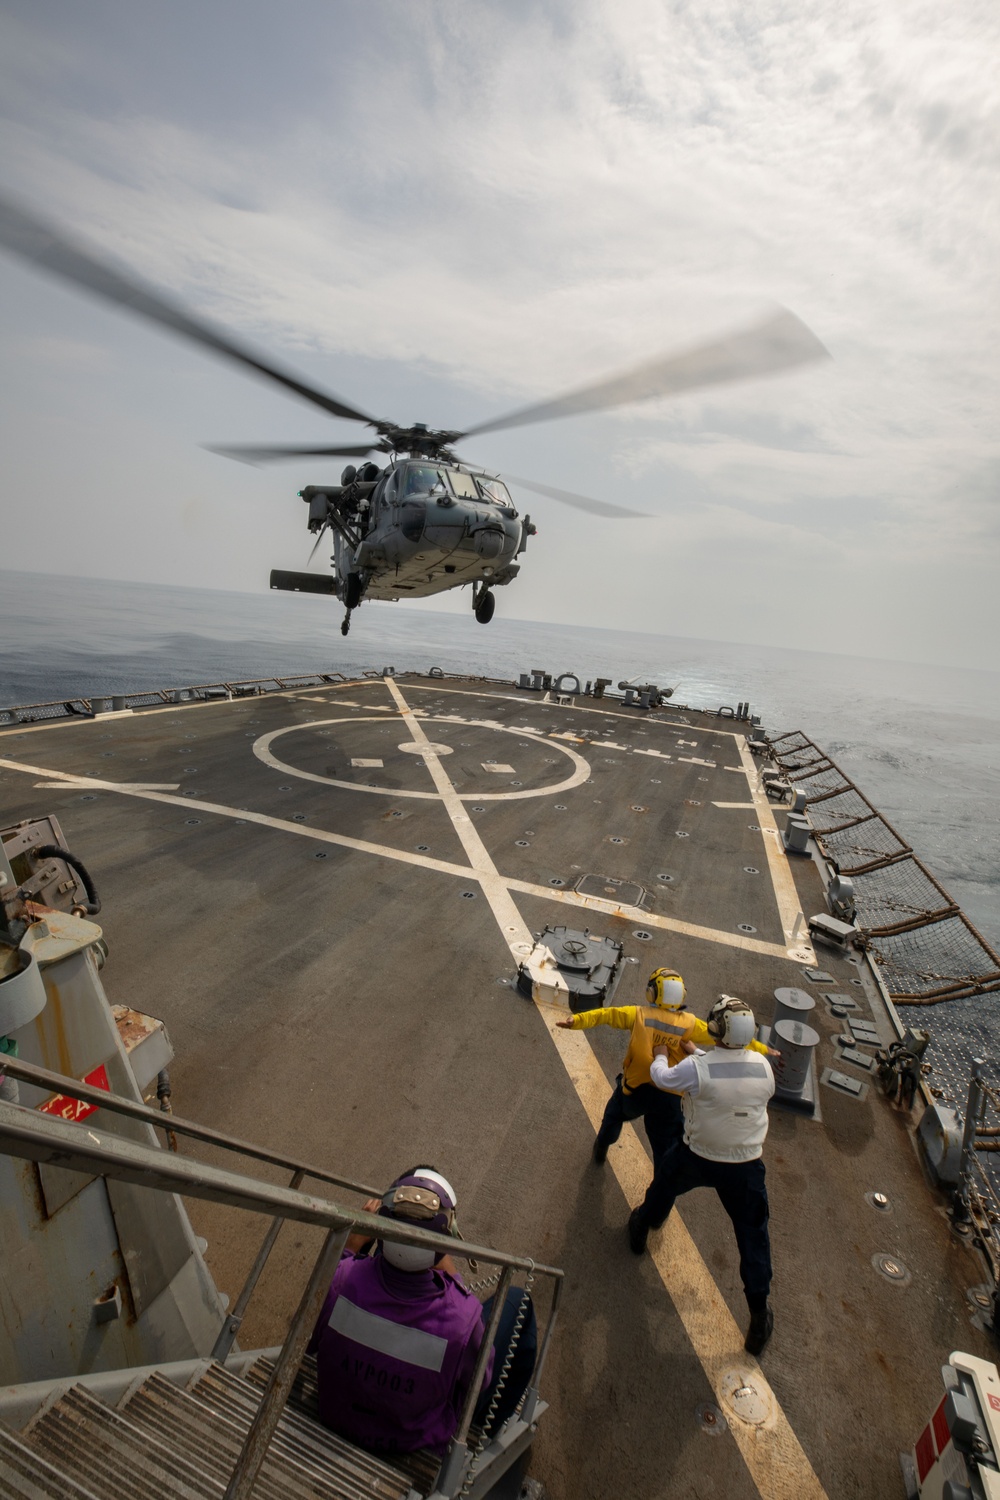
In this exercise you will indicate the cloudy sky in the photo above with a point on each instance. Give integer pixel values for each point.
(443, 210)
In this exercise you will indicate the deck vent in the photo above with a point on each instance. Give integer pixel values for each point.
(625, 892)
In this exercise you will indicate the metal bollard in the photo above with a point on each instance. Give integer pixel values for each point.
(797, 831)
(796, 1042)
(792, 1005)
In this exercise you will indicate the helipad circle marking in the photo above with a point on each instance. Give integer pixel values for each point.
(262, 750)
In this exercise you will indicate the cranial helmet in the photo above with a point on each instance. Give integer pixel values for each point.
(731, 1022)
(421, 1197)
(665, 988)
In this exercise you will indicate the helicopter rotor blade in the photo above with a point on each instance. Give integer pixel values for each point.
(253, 454)
(778, 342)
(579, 502)
(44, 246)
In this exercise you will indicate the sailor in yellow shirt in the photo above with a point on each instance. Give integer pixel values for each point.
(662, 1021)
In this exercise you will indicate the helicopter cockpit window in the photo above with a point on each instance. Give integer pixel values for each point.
(463, 485)
(420, 480)
(495, 489)
(388, 491)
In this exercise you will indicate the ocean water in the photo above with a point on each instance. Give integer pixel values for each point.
(923, 743)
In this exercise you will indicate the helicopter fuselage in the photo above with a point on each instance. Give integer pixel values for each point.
(417, 529)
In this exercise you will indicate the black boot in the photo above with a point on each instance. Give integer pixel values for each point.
(638, 1232)
(760, 1330)
(600, 1152)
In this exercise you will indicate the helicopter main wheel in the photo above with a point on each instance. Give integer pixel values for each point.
(485, 605)
(353, 589)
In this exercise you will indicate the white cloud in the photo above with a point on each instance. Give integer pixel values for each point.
(514, 200)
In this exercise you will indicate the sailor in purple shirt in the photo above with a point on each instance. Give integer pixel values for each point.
(397, 1338)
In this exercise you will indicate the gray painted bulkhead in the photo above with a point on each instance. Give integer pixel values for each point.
(68, 1240)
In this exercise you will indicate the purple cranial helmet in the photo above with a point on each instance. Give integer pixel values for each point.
(421, 1197)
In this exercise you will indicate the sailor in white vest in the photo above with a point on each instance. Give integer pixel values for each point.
(725, 1095)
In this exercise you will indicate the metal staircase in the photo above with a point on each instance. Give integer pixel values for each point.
(201, 1429)
(164, 1439)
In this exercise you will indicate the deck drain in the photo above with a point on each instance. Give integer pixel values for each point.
(636, 807)
(560, 807)
(754, 827)
(522, 844)
(664, 877)
(681, 834)
(192, 821)
(284, 789)
(517, 783)
(468, 895)
(298, 817)
(423, 848)
(321, 854)
(643, 935)
(615, 839)
(655, 781)
(504, 981)
(529, 833)
(479, 809)
(751, 870)
(745, 927)
(710, 1419)
(892, 1268)
(556, 881)
(88, 797)
(878, 1201)
(395, 813)
(858, 983)
(702, 778)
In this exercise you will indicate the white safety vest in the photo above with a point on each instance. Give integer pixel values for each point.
(727, 1119)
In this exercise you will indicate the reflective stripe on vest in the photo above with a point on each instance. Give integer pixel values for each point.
(656, 1021)
(727, 1119)
(736, 1069)
(412, 1345)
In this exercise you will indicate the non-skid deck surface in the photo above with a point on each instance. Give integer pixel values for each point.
(325, 896)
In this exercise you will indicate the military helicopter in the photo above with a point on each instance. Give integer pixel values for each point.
(425, 520)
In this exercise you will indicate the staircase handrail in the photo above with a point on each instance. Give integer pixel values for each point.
(56, 1083)
(76, 1146)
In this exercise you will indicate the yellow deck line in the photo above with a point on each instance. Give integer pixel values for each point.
(777, 1463)
(793, 923)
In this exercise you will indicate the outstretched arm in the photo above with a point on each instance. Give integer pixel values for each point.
(620, 1016)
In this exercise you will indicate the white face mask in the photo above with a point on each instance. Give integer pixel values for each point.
(408, 1257)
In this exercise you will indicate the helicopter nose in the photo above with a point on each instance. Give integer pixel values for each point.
(489, 544)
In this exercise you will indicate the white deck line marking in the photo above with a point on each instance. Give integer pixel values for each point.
(777, 1463)
(651, 919)
(246, 815)
(121, 786)
(747, 806)
(785, 894)
(575, 707)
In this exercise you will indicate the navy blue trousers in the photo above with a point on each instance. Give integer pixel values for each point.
(522, 1364)
(661, 1114)
(742, 1191)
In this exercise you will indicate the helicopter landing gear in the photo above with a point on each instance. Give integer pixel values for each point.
(484, 606)
(353, 589)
